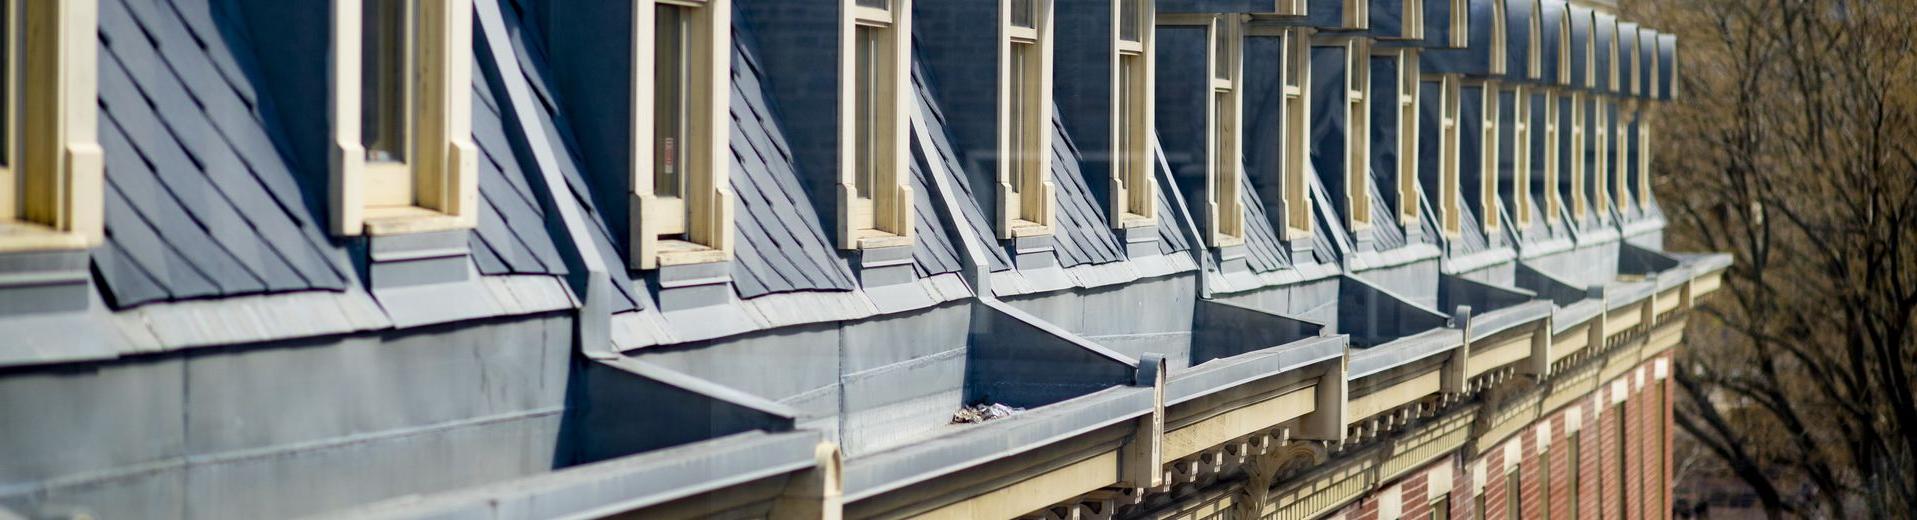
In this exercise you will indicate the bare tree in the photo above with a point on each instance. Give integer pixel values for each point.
(1794, 147)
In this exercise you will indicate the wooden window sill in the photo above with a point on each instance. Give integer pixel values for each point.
(1133, 220)
(1025, 228)
(680, 252)
(874, 239)
(399, 220)
(27, 236)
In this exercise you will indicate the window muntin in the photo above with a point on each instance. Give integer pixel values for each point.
(51, 166)
(1025, 186)
(1227, 214)
(1297, 135)
(1135, 193)
(874, 188)
(680, 127)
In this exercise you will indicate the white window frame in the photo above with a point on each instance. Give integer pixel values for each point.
(1600, 164)
(1521, 155)
(882, 217)
(1224, 136)
(1358, 133)
(1357, 14)
(1408, 82)
(1460, 24)
(1451, 146)
(52, 182)
(1412, 20)
(704, 212)
(1620, 180)
(1552, 158)
(442, 162)
(1644, 156)
(1579, 206)
(1134, 192)
(1488, 196)
(1029, 209)
(1296, 148)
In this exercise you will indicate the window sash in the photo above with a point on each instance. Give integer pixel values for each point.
(1297, 198)
(671, 117)
(388, 99)
(1131, 151)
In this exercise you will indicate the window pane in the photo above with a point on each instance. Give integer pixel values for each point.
(881, 4)
(1018, 92)
(866, 118)
(1129, 19)
(669, 126)
(1025, 13)
(1221, 51)
(385, 54)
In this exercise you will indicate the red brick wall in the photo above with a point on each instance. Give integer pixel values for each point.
(1643, 498)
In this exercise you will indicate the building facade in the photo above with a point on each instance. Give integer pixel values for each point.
(835, 258)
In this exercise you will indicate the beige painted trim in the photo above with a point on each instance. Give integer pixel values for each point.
(58, 167)
(1240, 422)
(444, 163)
(1438, 481)
(708, 206)
(1392, 397)
(1037, 492)
(1505, 353)
(1521, 155)
(1578, 203)
(1703, 285)
(1134, 193)
(1028, 211)
(884, 218)
(1570, 341)
(1601, 126)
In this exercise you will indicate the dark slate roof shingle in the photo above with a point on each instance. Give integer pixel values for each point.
(201, 201)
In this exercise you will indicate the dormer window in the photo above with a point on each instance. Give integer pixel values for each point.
(1521, 155)
(682, 204)
(874, 187)
(1222, 183)
(404, 159)
(1450, 144)
(1025, 190)
(1577, 158)
(1488, 165)
(1600, 132)
(1297, 147)
(51, 166)
(1135, 197)
(1407, 99)
(1358, 135)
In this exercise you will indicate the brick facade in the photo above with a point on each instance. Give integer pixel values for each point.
(1636, 490)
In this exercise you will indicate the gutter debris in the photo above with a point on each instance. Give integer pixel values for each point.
(979, 413)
